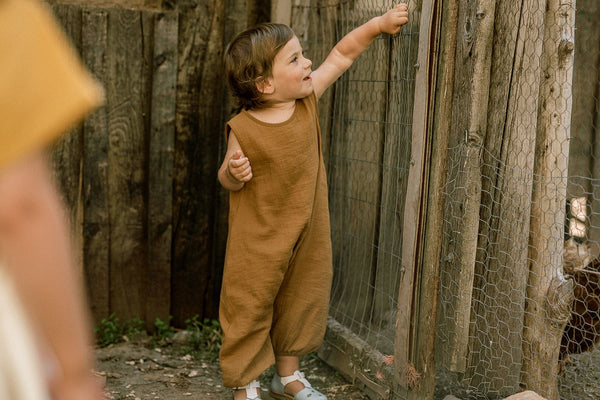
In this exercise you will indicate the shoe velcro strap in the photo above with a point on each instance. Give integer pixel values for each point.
(251, 392)
(297, 376)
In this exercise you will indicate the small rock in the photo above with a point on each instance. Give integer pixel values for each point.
(182, 337)
(450, 397)
(527, 395)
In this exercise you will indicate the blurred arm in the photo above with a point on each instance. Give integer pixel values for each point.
(35, 242)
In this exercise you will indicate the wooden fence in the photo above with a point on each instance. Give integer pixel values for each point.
(139, 176)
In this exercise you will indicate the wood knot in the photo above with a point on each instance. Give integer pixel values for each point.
(565, 49)
(559, 299)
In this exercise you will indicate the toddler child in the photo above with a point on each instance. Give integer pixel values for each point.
(278, 268)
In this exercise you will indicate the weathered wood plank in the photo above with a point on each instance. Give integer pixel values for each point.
(467, 186)
(444, 34)
(160, 171)
(357, 361)
(457, 268)
(499, 295)
(96, 228)
(210, 129)
(67, 152)
(457, 291)
(546, 314)
(128, 58)
(409, 292)
(200, 241)
(197, 142)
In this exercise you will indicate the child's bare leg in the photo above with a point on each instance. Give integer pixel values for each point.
(286, 366)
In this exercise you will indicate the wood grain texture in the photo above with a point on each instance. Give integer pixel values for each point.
(96, 228)
(544, 326)
(67, 152)
(501, 267)
(160, 166)
(128, 61)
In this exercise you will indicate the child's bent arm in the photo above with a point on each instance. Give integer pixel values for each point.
(354, 44)
(235, 170)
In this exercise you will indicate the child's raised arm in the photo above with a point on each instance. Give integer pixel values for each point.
(354, 44)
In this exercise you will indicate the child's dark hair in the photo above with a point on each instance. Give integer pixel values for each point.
(249, 59)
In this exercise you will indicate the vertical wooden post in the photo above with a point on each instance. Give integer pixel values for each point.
(96, 227)
(160, 171)
(67, 152)
(549, 295)
(405, 350)
(439, 159)
(469, 127)
(128, 57)
(197, 230)
(501, 274)
(443, 50)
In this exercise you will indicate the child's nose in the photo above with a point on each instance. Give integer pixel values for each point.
(307, 63)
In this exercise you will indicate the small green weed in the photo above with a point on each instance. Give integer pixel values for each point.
(111, 330)
(134, 328)
(206, 335)
(163, 331)
(108, 331)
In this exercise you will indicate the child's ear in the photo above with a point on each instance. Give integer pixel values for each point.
(265, 86)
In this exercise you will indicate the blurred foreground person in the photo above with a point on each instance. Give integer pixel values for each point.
(45, 333)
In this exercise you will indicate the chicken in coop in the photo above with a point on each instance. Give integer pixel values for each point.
(582, 332)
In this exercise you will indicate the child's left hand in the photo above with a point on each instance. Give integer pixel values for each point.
(392, 21)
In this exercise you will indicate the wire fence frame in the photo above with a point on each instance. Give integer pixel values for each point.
(367, 124)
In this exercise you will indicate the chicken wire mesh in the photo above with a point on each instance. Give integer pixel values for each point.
(581, 374)
(366, 121)
(501, 212)
(508, 227)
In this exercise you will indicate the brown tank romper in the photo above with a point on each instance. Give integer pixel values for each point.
(277, 277)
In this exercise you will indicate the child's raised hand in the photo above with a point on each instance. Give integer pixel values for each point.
(239, 167)
(392, 21)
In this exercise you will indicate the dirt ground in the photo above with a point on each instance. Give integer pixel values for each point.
(137, 370)
(140, 370)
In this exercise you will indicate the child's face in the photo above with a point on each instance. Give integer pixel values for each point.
(291, 73)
